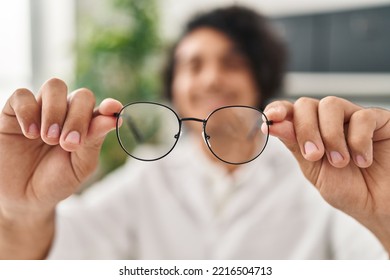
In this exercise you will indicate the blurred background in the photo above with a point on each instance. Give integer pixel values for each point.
(117, 48)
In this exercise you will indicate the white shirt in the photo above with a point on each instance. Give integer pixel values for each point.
(186, 207)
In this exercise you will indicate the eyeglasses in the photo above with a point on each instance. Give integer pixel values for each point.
(232, 133)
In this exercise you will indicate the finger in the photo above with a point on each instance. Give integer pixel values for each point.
(279, 111)
(21, 114)
(307, 130)
(85, 157)
(104, 120)
(382, 129)
(53, 99)
(78, 119)
(333, 113)
(366, 126)
(108, 106)
(281, 114)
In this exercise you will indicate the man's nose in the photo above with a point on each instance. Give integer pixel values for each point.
(212, 76)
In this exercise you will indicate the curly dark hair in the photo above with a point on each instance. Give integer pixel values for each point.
(255, 39)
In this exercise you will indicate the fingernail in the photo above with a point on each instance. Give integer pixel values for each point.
(336, 157)
(53, 131)
(73, 137)
(360, 160)
(310, 148)
(33, 129)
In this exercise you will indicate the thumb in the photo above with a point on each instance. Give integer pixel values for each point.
(284, 130)
(281, 113)
(104, 121)
(86, 157)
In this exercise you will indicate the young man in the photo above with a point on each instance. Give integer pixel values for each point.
(191, 205)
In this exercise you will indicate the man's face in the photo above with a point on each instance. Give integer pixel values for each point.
(210, 73)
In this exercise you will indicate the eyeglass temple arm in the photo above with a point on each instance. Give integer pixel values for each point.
(130, 123)
(253, 131)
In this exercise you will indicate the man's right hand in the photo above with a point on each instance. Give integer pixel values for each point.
(49, 145)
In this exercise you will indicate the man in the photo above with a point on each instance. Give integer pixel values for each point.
(190, 204)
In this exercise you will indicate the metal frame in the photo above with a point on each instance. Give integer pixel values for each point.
(180, 122)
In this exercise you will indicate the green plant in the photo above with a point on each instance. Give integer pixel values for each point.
(118, 55)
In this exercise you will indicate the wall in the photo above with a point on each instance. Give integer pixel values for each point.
(175, 12)
(27, 60)
(365, 88)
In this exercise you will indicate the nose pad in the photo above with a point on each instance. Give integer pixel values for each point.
(206, 138)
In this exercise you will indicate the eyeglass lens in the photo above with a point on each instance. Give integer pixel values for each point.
(146, 124)
(233, 134)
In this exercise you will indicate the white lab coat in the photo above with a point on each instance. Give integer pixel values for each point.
(185, 207)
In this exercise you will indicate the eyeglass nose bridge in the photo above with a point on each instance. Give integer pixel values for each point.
(193, 119)
(205, 136)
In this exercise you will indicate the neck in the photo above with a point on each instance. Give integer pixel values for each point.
(230, 168)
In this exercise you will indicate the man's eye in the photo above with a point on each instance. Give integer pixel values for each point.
(194, 67)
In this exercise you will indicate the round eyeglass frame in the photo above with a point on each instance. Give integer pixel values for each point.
(180, 123)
